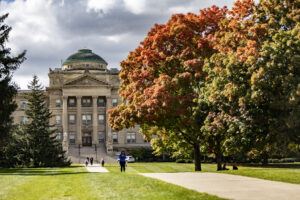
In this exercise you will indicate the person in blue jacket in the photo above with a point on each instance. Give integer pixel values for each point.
(122, 160)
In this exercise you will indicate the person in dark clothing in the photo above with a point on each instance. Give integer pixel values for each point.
(122, 160)
(86, 162)
(102, 162)
(91, 160)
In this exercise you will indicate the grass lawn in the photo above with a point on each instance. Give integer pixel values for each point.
(289, 175)
(76, 183)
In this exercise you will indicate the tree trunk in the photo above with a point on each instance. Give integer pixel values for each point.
(197, 157)
(265, 158)
(218, 156)
(219, 160)
(234, 166)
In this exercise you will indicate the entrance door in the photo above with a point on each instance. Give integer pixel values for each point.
(87, 139)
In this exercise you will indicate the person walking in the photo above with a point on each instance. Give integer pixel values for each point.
(122, 160)
(86, 162)
(102, 162)
(91, 160)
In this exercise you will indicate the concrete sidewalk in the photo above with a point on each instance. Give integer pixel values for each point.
(231, 186)
(96, 168)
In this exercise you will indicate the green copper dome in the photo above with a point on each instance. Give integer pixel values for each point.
(84, 55)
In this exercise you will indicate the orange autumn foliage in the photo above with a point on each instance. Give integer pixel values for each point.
(160, 76)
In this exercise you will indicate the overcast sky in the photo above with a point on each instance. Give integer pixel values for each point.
(51, 30)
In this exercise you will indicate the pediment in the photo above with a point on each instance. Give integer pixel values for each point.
(85, 80)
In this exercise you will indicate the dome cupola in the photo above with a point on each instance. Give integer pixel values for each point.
(84, 59)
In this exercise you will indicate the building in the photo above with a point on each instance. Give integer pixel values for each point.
(79, 95)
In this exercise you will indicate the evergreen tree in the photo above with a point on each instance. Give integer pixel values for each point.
(42, 149)
(16, 151)
(8, 90)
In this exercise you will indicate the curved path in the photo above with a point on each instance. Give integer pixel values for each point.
(231, 186)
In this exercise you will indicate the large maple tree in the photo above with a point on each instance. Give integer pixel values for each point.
(162, 78)
(226, 80)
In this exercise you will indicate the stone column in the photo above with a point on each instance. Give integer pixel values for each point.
(95, 121)
(78, 121)
(109, 139)
(65, 124)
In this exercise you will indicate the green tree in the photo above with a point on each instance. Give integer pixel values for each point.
(8, 90)
(17, 150)
(166, 141)
(275, 83)
(40, 147)
(255, 76)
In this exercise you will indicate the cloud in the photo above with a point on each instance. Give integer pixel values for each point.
(135, 6)
(51, 30)
(100, 6)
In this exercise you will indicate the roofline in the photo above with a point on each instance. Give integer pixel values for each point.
(28, 90)
(86, 61)
(24, 90)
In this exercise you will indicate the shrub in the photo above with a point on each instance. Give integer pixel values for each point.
(273, 160)
(284, 160)
(184, 161)
(146, 155)
(290, 160)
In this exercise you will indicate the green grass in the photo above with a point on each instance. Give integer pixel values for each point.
(76, 183)
(152, 167)
(289, 175)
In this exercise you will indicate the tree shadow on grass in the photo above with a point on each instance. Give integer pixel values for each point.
(40, 171)
(275, 165)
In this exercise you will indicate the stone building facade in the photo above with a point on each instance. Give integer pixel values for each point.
(79, 95)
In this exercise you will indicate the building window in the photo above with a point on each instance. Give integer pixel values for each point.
(57, 102)
(71, 119)
(101, 136)
(101, 119)
(101, 102)
(72, 138)
(114, 102)
(86, 101)
(72, 102)
(115, 137)
(24, 120)
(58, 136)
(23, 104)
(86, 119)
(130, 137)
(58, 119)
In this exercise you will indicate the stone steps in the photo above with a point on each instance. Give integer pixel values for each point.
(73, 154)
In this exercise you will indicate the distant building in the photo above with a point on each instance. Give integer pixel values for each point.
(79, 95)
